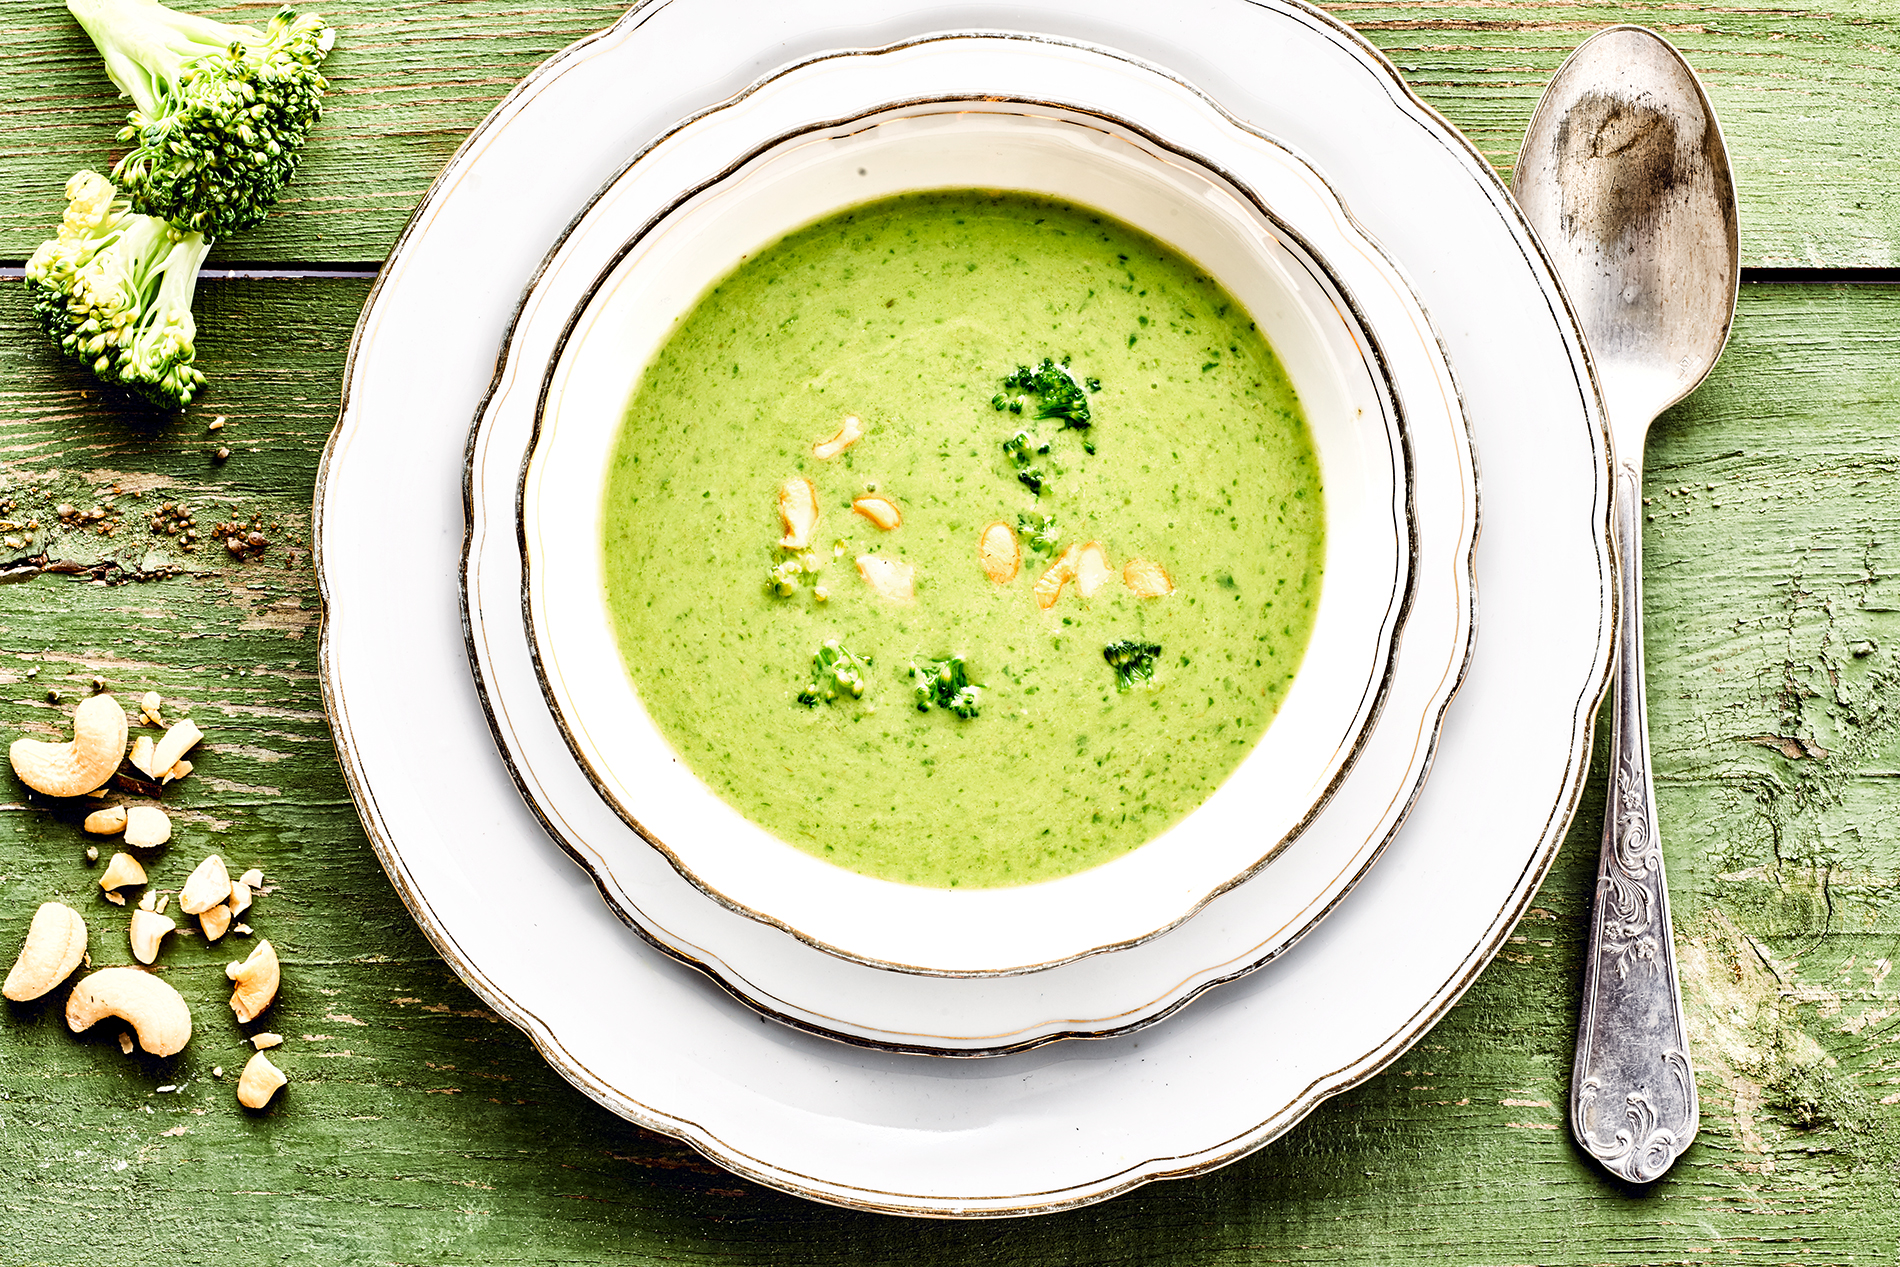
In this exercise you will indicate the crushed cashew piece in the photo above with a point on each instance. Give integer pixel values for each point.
(1146, 579)
(252, 879)
(141, 757)
(178, 771)
(887, 577)
(109, 821)
(798, 507)
(215, 922)
(240, 897)
(147, 931)
(207, 887)
(125, 1042)
(257, 978)
(999, 553)
(1048, 587)
(150, 901)
(55, 943)
(179, 740)
(881, 511)
(1092, 570)
(259, 1082)
(123, 870)
(265, 1041)
(149, 704)
(147, 826)
(849, 432)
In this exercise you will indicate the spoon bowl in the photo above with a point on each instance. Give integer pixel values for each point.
(1624, 176)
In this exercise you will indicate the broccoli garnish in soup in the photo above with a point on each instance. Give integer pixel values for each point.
(945, 683)
(1023, 449)
(1039, 531)
(1057, 394)
(836, 673)
(1132, 661)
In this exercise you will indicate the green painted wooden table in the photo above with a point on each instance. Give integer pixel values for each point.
(419, 1128)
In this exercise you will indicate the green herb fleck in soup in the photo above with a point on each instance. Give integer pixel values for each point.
(964, 538)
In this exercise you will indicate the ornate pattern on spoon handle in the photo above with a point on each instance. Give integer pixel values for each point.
(1632, 1094)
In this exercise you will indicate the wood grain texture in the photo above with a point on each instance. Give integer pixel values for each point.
(418, 1128)
(1809, 99)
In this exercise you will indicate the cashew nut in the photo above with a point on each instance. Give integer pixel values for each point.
(257, 979)
(881, 511)
(1048, 586)
(208, 886)
(215, 921)
(1146, 579)
(848, 433)
(109, 821)
(259, 1082)
(887, 577)
(178, 771)
(147, 827)
(148, 929)
(798, 507)
(176, 743)
(123, 870)
(85, 763)
(141, 757)
(55, 943)
(1092, 570)
(999, 553)
(240, 897)
(156, 1012)
(266, 1040)
(149, 705)
(252, 879)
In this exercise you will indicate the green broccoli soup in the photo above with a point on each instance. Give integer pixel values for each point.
(964, 538)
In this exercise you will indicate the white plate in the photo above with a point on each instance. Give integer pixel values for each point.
(1321, 290)
(1072, 1122)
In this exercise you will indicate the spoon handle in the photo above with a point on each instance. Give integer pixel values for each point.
(1632, 1093)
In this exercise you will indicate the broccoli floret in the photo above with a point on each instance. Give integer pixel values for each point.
(1058, 394)
(835, 673)
(1022, 449)
(113, 291)
(220, 112)
(1132, 661)
(945, 683)
(1039, 531)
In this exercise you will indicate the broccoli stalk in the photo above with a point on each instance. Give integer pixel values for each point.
(220, 112)
(945, 683)
(1133, 662)
(113, 291)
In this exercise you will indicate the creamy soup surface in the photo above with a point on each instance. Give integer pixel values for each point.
(1170, 538)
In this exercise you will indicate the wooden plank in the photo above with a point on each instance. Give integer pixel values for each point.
(420, 1128)
(1810, 100)
(1806, 99)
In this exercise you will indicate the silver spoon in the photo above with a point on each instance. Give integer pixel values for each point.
(1625, 179)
